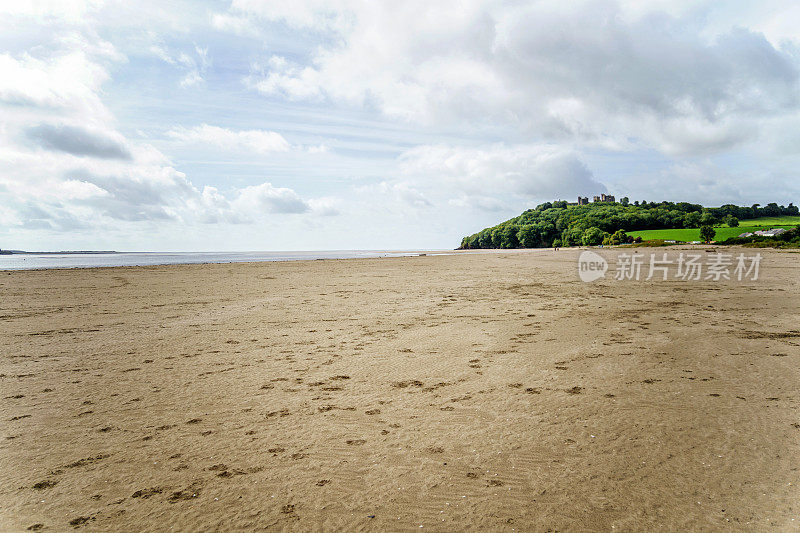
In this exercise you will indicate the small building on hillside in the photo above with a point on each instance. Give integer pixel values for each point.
(601, 198)
(771, 232)
(583, 200)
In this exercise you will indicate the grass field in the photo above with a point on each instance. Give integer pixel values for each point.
(774, 221)
(723, 232)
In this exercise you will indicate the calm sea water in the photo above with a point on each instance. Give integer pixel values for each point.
(33, 261)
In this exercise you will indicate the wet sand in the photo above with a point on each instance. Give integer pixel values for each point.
(492, 391)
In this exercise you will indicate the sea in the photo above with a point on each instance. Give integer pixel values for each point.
(30, 261)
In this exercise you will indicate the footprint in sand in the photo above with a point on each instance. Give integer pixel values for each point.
(79, 521)
(189, 493)
(405, 384)
(146, 493)
(46, 484)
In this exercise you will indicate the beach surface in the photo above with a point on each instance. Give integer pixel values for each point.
(489, 391)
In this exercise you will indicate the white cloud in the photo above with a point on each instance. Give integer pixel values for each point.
(261, 141)
(235, 24)
(326, 207)
(318, 149)
(531, 171)
(633, 76)
(265, 198)
(193, 66)
(290, 80)
(66, 82)
(65, 166)
(493, 105)
(400, 192)
(481, 203)
(71, 10)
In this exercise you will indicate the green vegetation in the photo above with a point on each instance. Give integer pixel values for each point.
(773, 222)
(562, 224)
(790, 239)
(707, 233)
(693, 234)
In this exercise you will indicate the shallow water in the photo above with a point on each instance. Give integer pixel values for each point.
(90, 260)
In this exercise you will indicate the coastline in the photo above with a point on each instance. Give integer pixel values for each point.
(74, 260)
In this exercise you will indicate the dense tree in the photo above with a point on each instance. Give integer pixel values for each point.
(593, 236)
(508, 236)
(528, 236)
(497, 236)
(707, 233)
(731, 221)
(485, 239)
(619, 237)
(707, 219)
(572, 237)
(691, 220)
(541, 226)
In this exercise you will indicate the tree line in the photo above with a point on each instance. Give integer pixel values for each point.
(561, 224)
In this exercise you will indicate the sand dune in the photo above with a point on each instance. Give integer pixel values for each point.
(491, 391)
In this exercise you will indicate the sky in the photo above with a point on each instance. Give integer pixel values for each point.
(370, 124)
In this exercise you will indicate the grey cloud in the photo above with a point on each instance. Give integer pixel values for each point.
(269, 199)
(77, 141)
(129, 213)
(561, 176)
(487, 204)
(534, 171)
(581, 72)
(128, 190)
(654, 70)
(136, 200)
(52, 216)
(411, 196)
(285, 205)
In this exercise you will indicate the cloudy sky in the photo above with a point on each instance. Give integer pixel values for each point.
(371, 124)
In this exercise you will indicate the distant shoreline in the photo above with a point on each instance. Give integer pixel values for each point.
(65, 252)
(19, 260)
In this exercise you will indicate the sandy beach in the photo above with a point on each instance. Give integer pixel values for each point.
(489, 391)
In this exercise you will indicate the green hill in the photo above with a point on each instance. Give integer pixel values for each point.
(562, 224)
